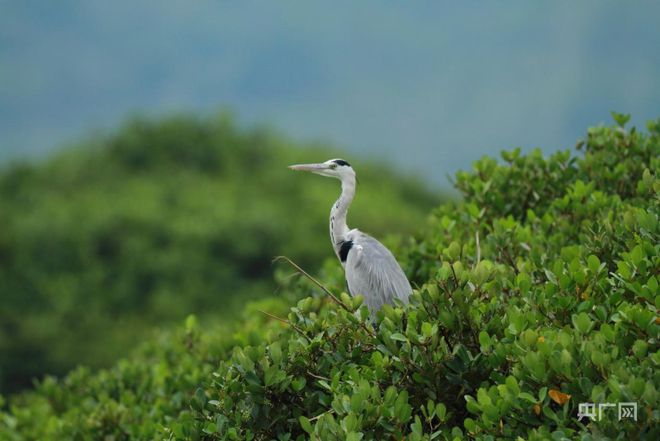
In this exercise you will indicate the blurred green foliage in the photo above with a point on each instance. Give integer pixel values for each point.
(163, 218)
(522, 311)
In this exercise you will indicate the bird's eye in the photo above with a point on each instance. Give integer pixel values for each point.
(333, 166)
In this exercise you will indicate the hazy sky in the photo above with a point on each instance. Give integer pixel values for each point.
(431, 86)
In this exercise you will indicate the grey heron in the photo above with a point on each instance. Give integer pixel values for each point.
(370, 268)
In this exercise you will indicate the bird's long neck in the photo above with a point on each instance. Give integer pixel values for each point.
(338, 227)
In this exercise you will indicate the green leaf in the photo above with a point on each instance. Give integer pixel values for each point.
(199, 400)
(453, 251)
(593, 263)
(621, 118)
(636, 255)
(512, 385)
(306, 424)
(401, 407)
(484, 340)
(298, 384)
(441, 411)
(191, 322)
(550, 276)
(582, 322)
(276, 352)
(470, 425)
(210, 428)
(398, 337)
(527, 396)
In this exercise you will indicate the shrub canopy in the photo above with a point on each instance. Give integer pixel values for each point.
(537, 292)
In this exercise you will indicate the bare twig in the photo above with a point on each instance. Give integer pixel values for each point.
(453, 272)
(321, 414)
(325, 290)
(280, 319)
(478, 246)
(316, 282)
(318, 377)
(509, 259)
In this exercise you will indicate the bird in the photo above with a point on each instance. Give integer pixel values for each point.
(370, 268)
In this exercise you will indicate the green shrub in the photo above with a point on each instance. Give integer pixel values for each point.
(156, 221)
(536, 293)
(138, 396)
(521, 312)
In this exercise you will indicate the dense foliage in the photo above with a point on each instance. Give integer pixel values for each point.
(537, 292)
(161, 219)
(138, 397)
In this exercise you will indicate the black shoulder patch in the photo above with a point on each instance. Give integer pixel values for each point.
(341, 162)
(345, 248)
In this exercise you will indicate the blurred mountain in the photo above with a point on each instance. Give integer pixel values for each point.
(431, 86)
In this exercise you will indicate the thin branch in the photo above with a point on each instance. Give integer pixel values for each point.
(280, 319)
(321, 414)
(318, 377)
(478, 246)
(509, 259)
(316, 282)
(325, 290)
(453, 272)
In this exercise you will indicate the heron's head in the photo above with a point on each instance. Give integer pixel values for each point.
(333, 168)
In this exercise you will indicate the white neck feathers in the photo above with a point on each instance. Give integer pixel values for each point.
(338, 227)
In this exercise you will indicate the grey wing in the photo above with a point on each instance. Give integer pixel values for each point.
(373, 272)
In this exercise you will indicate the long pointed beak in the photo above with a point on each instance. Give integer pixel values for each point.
(309, 167)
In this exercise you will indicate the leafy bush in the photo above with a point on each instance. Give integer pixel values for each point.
(536, 293)
(161, 219)
(139, 396)
(522, 311)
